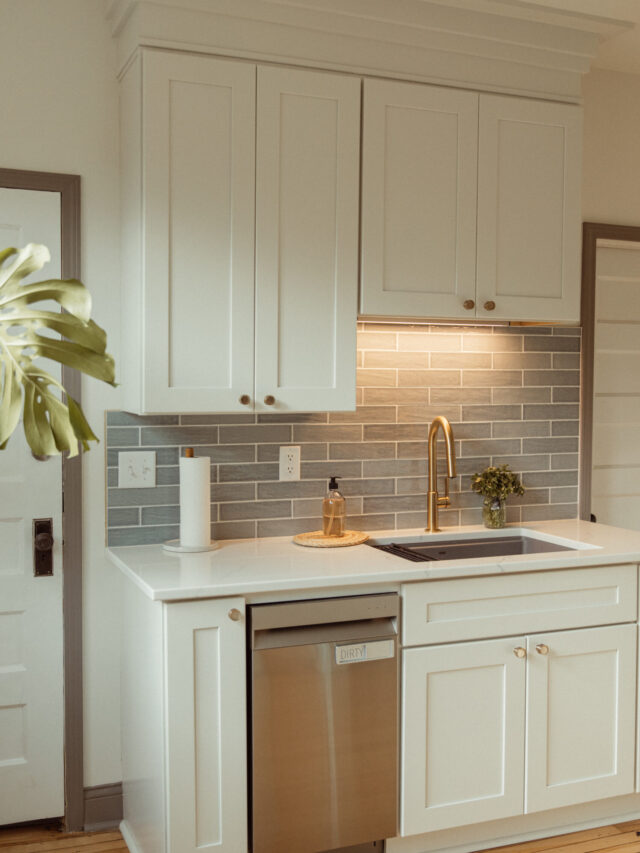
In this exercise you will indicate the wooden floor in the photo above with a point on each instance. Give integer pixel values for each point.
(618, 838)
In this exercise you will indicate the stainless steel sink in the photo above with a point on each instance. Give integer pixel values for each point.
(422, 550)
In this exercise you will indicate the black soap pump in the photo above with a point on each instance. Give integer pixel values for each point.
(333, 510)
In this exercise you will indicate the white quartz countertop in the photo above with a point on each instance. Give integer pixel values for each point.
(256, 566)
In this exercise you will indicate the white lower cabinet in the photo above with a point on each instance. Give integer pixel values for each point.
(476, 714)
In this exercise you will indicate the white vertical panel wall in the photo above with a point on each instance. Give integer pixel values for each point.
(529, 238)
(198, 200)
(419, 176)
(307, 184)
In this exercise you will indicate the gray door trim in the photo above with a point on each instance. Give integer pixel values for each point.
(69, 188)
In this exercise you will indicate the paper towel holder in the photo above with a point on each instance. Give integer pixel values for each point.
(175, 544)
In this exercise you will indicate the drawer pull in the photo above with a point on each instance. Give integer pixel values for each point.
(520, 652)
(269, 400)
(245, 399)
(490, 305)
(542, 649)
(235, 615)
(469, 304)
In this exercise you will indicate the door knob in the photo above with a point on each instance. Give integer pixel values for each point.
(490, 305)
(520, 652)
(245, 399)
(269, 400)
(235, 615)
(542, 649)
(469, 304)
(43, 542)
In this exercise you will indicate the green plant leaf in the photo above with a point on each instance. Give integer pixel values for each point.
(51, 424)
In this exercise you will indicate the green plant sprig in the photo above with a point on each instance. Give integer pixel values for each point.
(497, 482)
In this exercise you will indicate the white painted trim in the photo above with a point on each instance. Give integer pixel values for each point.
(129, 838)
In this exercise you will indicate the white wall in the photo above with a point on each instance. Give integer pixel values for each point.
(611, 165)
(60, 114)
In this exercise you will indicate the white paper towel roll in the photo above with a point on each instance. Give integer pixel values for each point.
(195, 502)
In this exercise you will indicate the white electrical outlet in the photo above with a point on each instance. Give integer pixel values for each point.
(290, 462)
(136, 469)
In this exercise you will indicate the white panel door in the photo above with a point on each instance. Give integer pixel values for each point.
(529, 239)
(31, 641)
(199, 157)
(419, 186)
(581, 705)
(206, 696)
(307, 187)
(615, 482)
(462, 734)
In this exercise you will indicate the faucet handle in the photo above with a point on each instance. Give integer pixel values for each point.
(445, 500)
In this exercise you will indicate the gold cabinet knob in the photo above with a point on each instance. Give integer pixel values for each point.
(469, 304)
(269, 400)
(520, 652)
(245, 399)
(235, 615)
(490, 305)
(542, 649)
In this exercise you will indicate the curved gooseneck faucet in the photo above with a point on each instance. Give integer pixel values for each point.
(433, 499)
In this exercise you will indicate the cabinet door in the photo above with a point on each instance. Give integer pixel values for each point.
(463, 734)
(206, 696)
(419, 175)
(308, 141)
(198, 207)
(581, 701)
(529, 174)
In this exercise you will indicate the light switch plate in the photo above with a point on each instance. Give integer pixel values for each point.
(136, 469)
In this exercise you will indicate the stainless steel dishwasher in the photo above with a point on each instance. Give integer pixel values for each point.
(324, 720)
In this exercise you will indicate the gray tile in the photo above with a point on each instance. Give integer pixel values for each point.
(521, 395)
(550, 445)
(548, 512)
(233, 530)
(419, 519)
(212, 420)
(551, 412)
(567, 330)
(144, 497)
(168, 475)
(112, 476)
(529, 462)
(396, 432)
(376, 377)
(308, 452)
(490, 447)
(394, 396)
(164, 455)
(294, 418)
(334, 432)
(161, 515)
(123, 437)
(566, 395)
(233, 492)
(518, 329)
(521, 360)
(255, 509)
(257, 433)
(471, 516)
(566, 361)
(422, 413)
(423, 379)
(123, 517)
(565, 428)
(247, 471)
(513, 514)
(472, 464)
(552, 377)
(564, 494)
(181, 435)
(394, 503)
(492, 378)
(288, 526)
(129, 419)
(395, 468)
(471, 430)
(405, 360)
(141, 535)
(311, 507)
(522, 429)
(411, 485)
(293, 489)
(381, 486)
(365, 414)
(530, 497)
(491, 343)
(444, 396)
(368, 522)
(564, 461)
(335, 468)
(412, 450)
(550, 478)
(228, 452)
(376, 340)
(461, 360)
(362, 450)
(554, 343)
(491, 413)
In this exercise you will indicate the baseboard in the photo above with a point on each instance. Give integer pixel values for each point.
(129, 840)
(103, 806)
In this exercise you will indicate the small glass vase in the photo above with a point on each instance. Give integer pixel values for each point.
(494, 513)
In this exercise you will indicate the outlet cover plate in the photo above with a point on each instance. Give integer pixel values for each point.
(290, 462)
(136, 469)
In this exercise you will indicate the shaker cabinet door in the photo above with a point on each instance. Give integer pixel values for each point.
(419, 177)
(529, 218)
(198, 150)
(307, 186)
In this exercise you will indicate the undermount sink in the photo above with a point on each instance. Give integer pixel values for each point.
(423, 550)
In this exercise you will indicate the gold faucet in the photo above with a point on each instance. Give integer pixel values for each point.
(433, 499)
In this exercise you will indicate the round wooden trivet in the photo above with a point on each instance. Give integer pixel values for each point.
(317, 539)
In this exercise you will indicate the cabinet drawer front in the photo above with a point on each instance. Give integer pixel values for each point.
(446, 611)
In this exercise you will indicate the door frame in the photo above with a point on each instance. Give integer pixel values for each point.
(69, 188)
(591, 233)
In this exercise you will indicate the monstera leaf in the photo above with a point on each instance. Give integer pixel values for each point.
(51, 423)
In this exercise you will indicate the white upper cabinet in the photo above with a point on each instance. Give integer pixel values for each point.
(419, 186)
(529, 231)
(470, 205)
(307, 188)
(208, 324)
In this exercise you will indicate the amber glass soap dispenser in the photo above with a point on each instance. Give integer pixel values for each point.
(333, 511)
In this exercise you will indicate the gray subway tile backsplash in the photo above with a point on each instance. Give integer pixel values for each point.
(511, 393)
